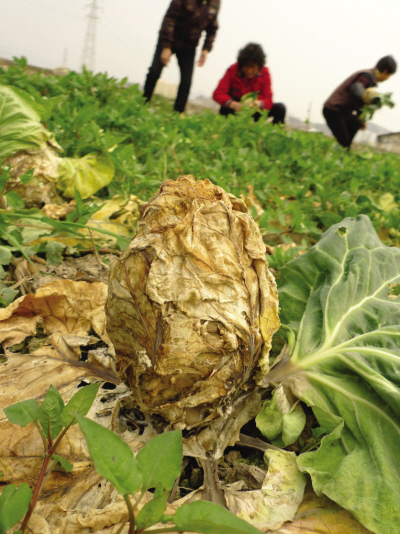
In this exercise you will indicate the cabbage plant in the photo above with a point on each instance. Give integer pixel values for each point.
(192, 306)
(341, 302)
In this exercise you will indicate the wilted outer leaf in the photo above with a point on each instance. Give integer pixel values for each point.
(279, 498)
(60, 307)
(320, 515)
(192, 306)
(118, 215)
(211, 441)
(346, 364)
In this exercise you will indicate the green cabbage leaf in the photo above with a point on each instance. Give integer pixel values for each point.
(87, 174)
(20, 127)
(341, 300)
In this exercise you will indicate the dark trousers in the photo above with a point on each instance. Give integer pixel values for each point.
(277, 112)
(343, 127)
(185, 61)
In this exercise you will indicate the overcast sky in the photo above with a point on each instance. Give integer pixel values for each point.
(312, 45)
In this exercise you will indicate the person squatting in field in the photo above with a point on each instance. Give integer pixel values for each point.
(248, 75)
(180, 33)
(343, 108)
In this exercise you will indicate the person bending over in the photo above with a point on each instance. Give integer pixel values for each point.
(180, 33)
(343, 108)
(248, 75)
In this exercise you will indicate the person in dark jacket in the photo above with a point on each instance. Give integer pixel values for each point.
(248, 75)
(343, 108)
(180, 33)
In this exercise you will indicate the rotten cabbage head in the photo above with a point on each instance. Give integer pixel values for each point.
(192, 306)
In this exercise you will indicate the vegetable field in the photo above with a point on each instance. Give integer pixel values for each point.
(305, 436)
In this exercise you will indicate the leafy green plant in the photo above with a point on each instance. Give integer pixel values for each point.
(340, 302)
(383, 99)
(249, 99)
(52, 419)
(156, 466)
(303, 181)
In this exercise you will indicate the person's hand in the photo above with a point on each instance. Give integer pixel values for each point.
(236, 106)
(370, 95)
(165, 56)
(202, 58)
(257, 103)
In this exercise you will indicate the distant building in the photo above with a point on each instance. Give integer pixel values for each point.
(389, 142)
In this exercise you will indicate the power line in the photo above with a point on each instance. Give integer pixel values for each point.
(89, 49)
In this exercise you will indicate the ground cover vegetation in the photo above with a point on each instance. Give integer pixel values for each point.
(322, 407)
(301, 183)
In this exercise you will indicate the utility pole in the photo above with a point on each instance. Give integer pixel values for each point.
(90, 39)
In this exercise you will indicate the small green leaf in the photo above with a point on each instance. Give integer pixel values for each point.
(50, 414)
(14, 200)
(5, 256)
(23, 413)
(209, 518)
(63, 462)
(80, 403)
(160, 460)
(122, 243)
(8, 295)
(54, 252)
(14, 503)
(33, 230)
(153, 511)
(113, 459)
(27, 176)
(79, 204)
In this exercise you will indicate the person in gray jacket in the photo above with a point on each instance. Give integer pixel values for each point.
(343, 108)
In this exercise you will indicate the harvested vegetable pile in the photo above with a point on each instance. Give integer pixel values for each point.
(192, 306)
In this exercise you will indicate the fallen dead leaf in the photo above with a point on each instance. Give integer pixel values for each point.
(320, 515)
(63, 306)
(278, 499)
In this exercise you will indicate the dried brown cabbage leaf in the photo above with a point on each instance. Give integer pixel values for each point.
(63, 306)
(192, 306)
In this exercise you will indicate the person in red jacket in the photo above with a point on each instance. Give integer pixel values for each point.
(248, 75)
